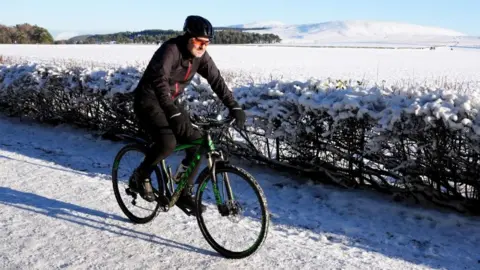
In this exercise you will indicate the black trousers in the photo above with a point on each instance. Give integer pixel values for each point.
(154, 121)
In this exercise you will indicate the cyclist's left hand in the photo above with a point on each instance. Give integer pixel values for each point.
(239, 115)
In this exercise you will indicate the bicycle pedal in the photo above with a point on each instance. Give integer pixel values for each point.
(163, 200)
(130, 192)
(187, 211)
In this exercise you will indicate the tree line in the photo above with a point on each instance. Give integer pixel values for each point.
(159, 36)
(24, 34)
(33, 34)
(239, 37)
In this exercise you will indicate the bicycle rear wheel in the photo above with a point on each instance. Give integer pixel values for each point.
(131, 203)
(235, 227)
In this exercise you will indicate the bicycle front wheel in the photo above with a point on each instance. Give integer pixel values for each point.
(236, 220)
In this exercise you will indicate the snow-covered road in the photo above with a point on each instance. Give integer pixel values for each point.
(58, 211)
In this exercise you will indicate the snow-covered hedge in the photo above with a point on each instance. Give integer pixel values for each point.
(423, 139)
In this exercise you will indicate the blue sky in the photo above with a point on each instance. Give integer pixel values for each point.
(100, 16)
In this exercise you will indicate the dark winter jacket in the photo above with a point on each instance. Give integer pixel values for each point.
(170, 70)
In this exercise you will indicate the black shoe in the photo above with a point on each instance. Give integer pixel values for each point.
(187, 203)
(142, 185)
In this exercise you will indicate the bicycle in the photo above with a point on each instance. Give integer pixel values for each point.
(218, 171)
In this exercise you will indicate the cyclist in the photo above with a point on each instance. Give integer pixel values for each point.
(158, 110)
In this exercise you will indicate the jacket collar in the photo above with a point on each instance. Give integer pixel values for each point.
(182, 42)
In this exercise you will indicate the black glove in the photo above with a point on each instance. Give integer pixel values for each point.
(180, 125)
(239, 115)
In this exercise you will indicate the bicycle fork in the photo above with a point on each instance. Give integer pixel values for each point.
(225, 207)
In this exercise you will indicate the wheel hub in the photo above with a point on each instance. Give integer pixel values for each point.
(230, 208)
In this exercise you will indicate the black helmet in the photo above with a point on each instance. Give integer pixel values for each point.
(197, 26)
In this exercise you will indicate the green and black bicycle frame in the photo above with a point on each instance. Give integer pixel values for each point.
(214, 157)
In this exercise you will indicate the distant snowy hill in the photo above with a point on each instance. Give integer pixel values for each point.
(266, 24)
(347, 32)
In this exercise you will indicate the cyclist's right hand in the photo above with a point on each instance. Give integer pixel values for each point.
(180, 124)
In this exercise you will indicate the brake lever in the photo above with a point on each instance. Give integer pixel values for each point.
(230, 123)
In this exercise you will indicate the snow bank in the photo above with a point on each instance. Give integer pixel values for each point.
(385, 105)
(94, 79)
(455, 104)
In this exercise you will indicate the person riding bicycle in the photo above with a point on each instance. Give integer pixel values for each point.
(158, 110)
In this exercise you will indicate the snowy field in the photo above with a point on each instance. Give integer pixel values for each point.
(59, 212)
(264, 63)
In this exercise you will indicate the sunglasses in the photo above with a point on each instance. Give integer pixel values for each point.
(199, 42)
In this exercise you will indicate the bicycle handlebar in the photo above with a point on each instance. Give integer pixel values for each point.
(207, 122)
